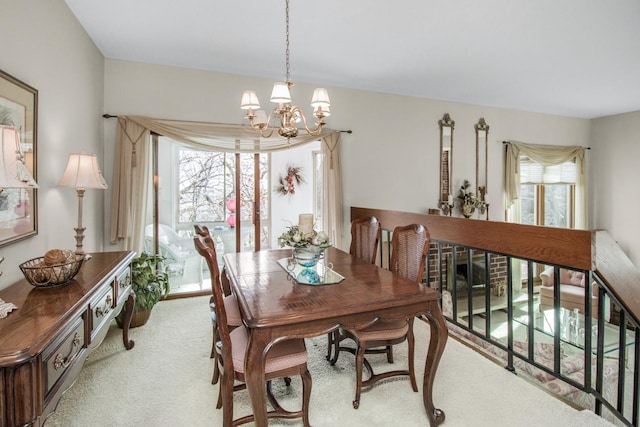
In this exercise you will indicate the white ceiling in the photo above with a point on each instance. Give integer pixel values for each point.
(578, 58)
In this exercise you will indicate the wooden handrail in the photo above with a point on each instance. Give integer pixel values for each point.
(562, 246)
(587, 250)
(618, 272)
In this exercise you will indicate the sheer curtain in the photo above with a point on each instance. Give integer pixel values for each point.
(546, 155)
(332, 188)
(132, 172)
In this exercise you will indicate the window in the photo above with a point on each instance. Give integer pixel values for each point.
(547, 193)
(547, 197)
(205, 182)
(204, 191)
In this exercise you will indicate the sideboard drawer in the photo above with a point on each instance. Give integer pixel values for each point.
(101, 307)
(123, 284)
(64, 355)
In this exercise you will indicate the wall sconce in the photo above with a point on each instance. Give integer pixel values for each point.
(82, 172)
(13, 170)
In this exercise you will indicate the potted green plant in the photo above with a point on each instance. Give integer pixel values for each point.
(149, 283)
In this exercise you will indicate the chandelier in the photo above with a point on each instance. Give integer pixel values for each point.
(287, 115)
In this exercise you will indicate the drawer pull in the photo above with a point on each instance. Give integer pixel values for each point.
(126, 282)
(100, 311)
(61, 362)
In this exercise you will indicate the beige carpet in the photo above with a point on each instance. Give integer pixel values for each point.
(165, 381)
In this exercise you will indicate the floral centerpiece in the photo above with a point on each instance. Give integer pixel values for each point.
(295, 238)
(307, 243)
(308, 247)
(468, 201)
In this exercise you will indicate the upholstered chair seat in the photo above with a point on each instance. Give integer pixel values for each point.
(283, 355)
(383, 331)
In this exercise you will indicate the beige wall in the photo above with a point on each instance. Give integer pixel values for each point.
(615, 179)
(391, 159)
(44, 46)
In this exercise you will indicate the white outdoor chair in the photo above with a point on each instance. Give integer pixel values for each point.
(177, 250)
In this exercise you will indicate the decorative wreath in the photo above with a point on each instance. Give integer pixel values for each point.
(286, 183)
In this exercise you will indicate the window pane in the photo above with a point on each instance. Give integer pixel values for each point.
(247, 199)
(556, 206)
(207, 194)
(248, 204)
(201, 186)
(528, 204)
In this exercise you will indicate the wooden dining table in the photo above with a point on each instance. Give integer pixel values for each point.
(275, 307)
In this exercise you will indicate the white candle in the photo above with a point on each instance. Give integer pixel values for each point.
(305, 224)
(450, 199)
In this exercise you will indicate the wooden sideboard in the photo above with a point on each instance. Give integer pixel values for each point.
(45, 342)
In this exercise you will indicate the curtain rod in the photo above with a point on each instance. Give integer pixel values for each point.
(109, 116)
(586, 148)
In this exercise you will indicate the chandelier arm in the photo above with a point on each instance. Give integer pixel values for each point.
(312, 132)
(262, 130)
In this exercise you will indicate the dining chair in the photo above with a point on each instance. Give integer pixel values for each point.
(234, 318)
(365, 234)
(286, 358)
(409, 247)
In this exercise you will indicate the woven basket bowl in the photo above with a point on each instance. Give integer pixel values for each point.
(42, 276)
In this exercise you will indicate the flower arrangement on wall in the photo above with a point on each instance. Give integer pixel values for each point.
(468, 202)
(286, 184)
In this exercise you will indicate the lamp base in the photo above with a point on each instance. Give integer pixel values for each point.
(79, 238)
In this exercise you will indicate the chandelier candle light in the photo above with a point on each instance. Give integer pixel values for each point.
(288, 115)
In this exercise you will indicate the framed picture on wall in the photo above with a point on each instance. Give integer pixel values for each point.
(18, 206)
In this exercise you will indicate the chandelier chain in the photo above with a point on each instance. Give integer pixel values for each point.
(287, 44)
(284, 112)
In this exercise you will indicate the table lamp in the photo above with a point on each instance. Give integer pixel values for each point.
(82, 172)
(13, 170)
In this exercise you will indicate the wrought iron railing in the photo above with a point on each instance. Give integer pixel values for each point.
(587, 353)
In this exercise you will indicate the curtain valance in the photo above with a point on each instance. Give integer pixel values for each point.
(548, 155)
(221, 137)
